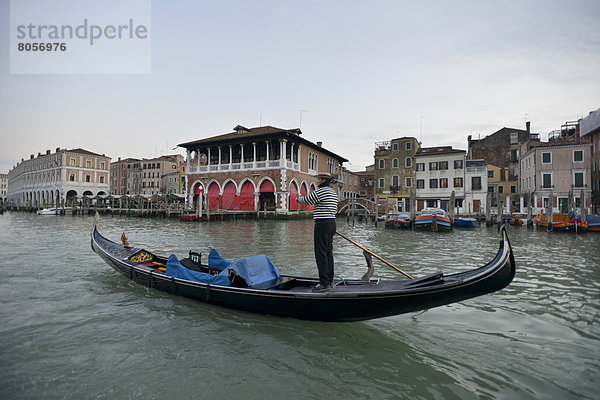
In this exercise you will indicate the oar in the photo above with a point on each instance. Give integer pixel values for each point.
(375, 255)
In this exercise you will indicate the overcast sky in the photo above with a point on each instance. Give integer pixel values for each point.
(363, 71)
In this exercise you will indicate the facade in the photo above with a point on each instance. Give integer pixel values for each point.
(558, 170)
(500, 187)
(170, 182)
(263, 168)
(349, 184)
(3, 187)
(501, 149)
(152, 171)
(58, 178)
(394, 172)
(118, 176)
(439, 171)
(366, 183)
(590, 130)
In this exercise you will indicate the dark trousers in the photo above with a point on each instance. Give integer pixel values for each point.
(324, 231)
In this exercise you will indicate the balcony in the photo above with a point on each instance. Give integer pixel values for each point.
(243, 166)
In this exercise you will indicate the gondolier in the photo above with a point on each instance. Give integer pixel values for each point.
(325, 200)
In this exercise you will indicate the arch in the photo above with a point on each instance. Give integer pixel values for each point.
(101, 193)
(213, 195)
(57, 198)
(304, 192)
(293, 195)
(395, 181)
(229, 199)
(266, 197)
(246, 197)
(87, 193)
(227, 182)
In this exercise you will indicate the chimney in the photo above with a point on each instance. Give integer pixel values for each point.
(57, 149)
(47, 152)
(319, 144)
(528, 127)
(39, 154)
(31, 157)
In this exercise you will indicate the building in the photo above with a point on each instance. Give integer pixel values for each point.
(152, 171)
(349, 184)
(501, 149)
(440, 171)
(3, 188)
(262, 168)
(119, 172)
(394, 172)
(366, 183)
(590, 130)
(58, 178)
(500, 187)
(560, 170)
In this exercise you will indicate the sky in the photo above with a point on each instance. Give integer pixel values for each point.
(348, 73)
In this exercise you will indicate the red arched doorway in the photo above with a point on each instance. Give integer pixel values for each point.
(229, 201)
(246, 202)
(213, 195)
(266, 198)
(293, 196)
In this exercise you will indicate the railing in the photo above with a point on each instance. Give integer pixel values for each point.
(243, 166)
(475, 170)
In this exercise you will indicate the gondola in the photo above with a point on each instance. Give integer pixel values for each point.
(292, 296)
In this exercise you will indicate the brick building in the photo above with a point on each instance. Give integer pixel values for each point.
(263, 168)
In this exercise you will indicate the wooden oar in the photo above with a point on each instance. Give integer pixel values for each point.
(375, 255)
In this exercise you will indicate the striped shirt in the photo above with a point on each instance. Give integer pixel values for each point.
(325, 200)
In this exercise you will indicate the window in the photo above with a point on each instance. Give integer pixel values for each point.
(546, 180)
(420, 183)
(458, 182)
(490, 174)
(476, 183)
(381, 164)
(381, 183)
(433, 183)
(443, 183)
(578, 177)
(408, 146)
(578, 156)
(395, 163)
(72, 162)
(443, 165)
(72, 177)
(88, 164)
(408, 162)
(458, 164)
(491, 189)
(408, 182)
(102, 165)
(101, 179)
(546, 158)
(433, 166)
(88, 178)
(500, 189)
(420, 167)
(513, 189)
(395, 147)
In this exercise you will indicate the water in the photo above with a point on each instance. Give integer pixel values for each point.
(74, 328)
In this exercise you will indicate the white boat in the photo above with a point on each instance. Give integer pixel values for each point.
(47, 211)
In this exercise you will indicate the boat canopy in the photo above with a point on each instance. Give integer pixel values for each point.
(257, 271)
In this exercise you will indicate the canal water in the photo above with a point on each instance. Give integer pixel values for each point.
(73, 328)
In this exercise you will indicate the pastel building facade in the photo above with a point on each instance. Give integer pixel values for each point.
(53, 178)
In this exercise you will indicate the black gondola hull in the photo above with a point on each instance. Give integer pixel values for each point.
(356, 301)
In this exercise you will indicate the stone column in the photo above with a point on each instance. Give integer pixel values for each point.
(254, 155)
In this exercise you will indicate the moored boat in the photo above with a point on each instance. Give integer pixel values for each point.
(560, 222)
(187, 217)
(433, 219)
(47, 211)
(253, 284)
(465, 222)
(398, 221)
(593, 222)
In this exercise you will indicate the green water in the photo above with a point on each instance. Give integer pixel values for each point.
(74, 328)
